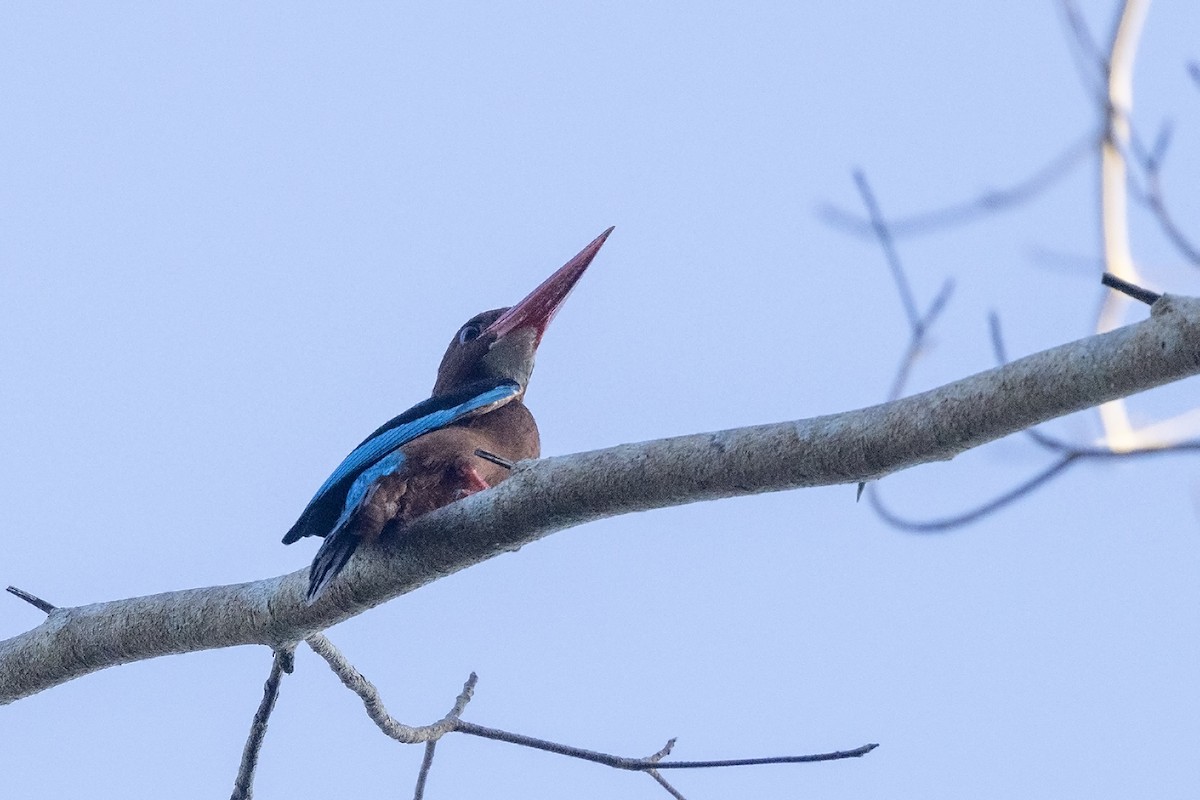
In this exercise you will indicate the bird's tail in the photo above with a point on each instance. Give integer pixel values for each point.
(330, 559)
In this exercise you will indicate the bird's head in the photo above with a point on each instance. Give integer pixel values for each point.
(501, 344)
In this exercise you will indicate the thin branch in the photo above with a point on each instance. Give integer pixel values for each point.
(1158, 206)
(1120, 147)
(916, 342)
(423, 773)
(1114, 202)
(657, 776)
(1114, 206)
(354, 680)
(959, 520)
(556, 493)
(985, 204)
(1090, 61)
(646, 764)
(919, 324)
(837, 755)
(243, 785)
(357, 683)
(1151, 193)
(33, 600)
(1069, 454)
(882, 233)
(671, 790)
(1133, 290)
(460, 705)
(1068, 458)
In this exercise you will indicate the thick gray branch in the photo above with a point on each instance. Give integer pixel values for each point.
(556, 493)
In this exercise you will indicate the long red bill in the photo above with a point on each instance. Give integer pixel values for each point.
(536, 310)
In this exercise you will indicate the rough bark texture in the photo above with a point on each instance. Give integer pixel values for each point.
(556, 493)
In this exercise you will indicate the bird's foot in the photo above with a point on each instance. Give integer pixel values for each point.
(473, 480)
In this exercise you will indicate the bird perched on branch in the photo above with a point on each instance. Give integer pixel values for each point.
(461, 440)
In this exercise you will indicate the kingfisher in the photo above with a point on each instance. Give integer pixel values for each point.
(464, 438)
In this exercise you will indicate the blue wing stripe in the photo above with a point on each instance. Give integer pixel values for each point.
(379, 446)
(358, 490)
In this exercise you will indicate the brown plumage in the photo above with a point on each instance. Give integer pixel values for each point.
(442, 466)
(428, 456)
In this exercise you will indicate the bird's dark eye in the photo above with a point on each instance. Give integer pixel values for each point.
(468, 333)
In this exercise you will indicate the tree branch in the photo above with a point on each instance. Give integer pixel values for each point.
(986, 204)
(243, 784)
(556, 493)
(1114, 195)
(354, 680)
(32, 599)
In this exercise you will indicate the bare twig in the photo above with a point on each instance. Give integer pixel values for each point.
(1090, 60)
(987, 203)
(357, 683)
(919, 324)
(1133, 290)
(1119, 148)
(423, 773)
(657, 776)
(1158, 206)
(1150, 161)
(917, 341)
(958, 520)
(645, 764)
(1068, 458)
(1114, 202)
(883, 235)
(456, 711)
(499, 461)
(243, 785)
(1069, 454)
(1020, 491)
(453, 723)
(33, 600)
(671, 790)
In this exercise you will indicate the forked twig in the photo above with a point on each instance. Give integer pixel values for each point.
(1150, 190)
(882, 232)
(453, 723)
(460, 704)
(657, 776)
(987, 203)
(1068, 455)
(919, 324)
(1118, 147)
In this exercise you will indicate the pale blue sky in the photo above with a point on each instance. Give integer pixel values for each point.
(235, 239)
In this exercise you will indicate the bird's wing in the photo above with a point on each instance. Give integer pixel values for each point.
(326, 506)
(343, 539)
